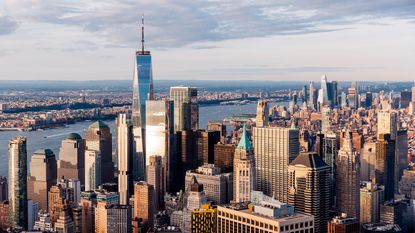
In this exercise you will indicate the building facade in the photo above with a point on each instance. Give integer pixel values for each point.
(125, 156)
(71, 163)
(186, 108)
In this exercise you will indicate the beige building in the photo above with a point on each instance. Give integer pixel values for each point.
(92, 170)
(387, 124)
(124, 152)
(156, 178)
(112, 218)
(244, 169)
(262, 113)
(217, 186)
(274, 149)
(144, 203)
(72, 158)
(42, 176)
(368, 161)
(64, 224)
(407, 182)
(371, 197)
(309, 188)
(261, 217)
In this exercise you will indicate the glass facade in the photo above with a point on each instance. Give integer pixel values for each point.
(186, 108)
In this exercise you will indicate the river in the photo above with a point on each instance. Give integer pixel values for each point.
(51, 138)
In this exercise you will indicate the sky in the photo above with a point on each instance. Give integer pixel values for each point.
(371, 40)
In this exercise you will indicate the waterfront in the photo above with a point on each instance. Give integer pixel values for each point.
(51, 138)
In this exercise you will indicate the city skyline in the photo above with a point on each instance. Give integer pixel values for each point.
(208, 40)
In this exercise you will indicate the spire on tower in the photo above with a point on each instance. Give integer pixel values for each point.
(142, 33)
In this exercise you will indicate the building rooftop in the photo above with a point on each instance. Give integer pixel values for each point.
(381, 227)
(98, 124)
(74, 136)
(44, 152)
(245, 143)
(311, 160)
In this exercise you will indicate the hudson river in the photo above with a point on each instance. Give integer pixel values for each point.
(51, 138)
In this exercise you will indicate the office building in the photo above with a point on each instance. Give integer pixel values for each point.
(398, 211)
(263, 215)
(348, 179)
(72, 158)
(18, 183)
(88, 204)
(43, 223)
(64, 224)
(196, 197)
(4, 192)
(156, 178)
(368, 161)
(343, 224)
(217, 126)
(4, 215)
(401, 158)
(325, 120)
(331, 144)
(32, 213)
(371, 197)
(98, 138)
(112, 218)
(224, 156)
(274, 149)
(159, 137)
(186, 108)
(125, 156)
(42, 176)
(387, 124)
(262, 114)
(77, 218)
(313, 96)
(309, 188)
(93, 170)
(407, 182)
(204, 219)
(406, 98)
(206, 142)
(385, 164)
(144, 203)
(323, 95)
(58, 201)
(369, 99)
(187, 159)
(218, 186)
(243, 170)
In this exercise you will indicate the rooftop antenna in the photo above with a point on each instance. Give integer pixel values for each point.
(142, 33)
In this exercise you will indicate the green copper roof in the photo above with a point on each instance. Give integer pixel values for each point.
(244, 143)
(73, 136)
(98, 124)
(44, 152)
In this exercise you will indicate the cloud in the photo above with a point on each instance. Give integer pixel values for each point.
(178, 23)
(7, 25)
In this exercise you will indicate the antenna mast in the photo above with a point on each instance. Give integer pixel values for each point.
(142, 33)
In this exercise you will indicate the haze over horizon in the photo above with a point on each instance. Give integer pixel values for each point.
(209, 40)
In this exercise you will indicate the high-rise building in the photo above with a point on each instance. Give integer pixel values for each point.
(195, 198)
(407, 182)
(143, 83)
(186, 149)
(369, 99)
(323, 92)
(263, 215)
(186, 108)
(413, 94)
(274, 149)
(18, 183)
(71, 163)
(387, 124)
(348, 179)
(309, 188)
(313, 96)
(204, 219)
(125, 156)
(367, 161)
(32, 213)
(385, 164)
(58, 201)
(224, 156)
(110, 216)
(406, 98)
(218, 186)
(4, 216)
(401, 158)
(398, 212)
(159, 137)
(262, 114)
(93, 170)
(98, 138)
(371, 197)
(144, 203)
(206, 142)
(217, 126)
(43, 223)
(325, 120)
(3, 189)
(331, 144)
(88, 204)
(42, 176)
(343, 224)
(156, 178)
(244, 170)
(64, 224)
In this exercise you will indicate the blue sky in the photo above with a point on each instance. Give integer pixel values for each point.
(208, 40)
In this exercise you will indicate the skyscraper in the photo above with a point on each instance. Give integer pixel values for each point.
(406, 98)
(156, 178)
(64, 224)
(144, 203)
(309, 188)
(195, 198)
(401, 158)
(224, 156)
(325, 120)
(385, 164)
(186, 108)
(18, 183)
(72, 158)
(367, 161)
(274, 149)
(125, 156)
(159, 135)
(93, 170)
(329, 153)
(313, 96)
(99, 138)
(88, 204)
(143, 83)
(323, 92)
(262, 113)
(42, 176)
(206, 142)
(243, 170)
(387, 124)
(110, 216)
(344, 224)
(3, 189)
(348, 179)
(371, 197)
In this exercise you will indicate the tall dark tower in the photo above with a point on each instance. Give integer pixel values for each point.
(385, 164)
